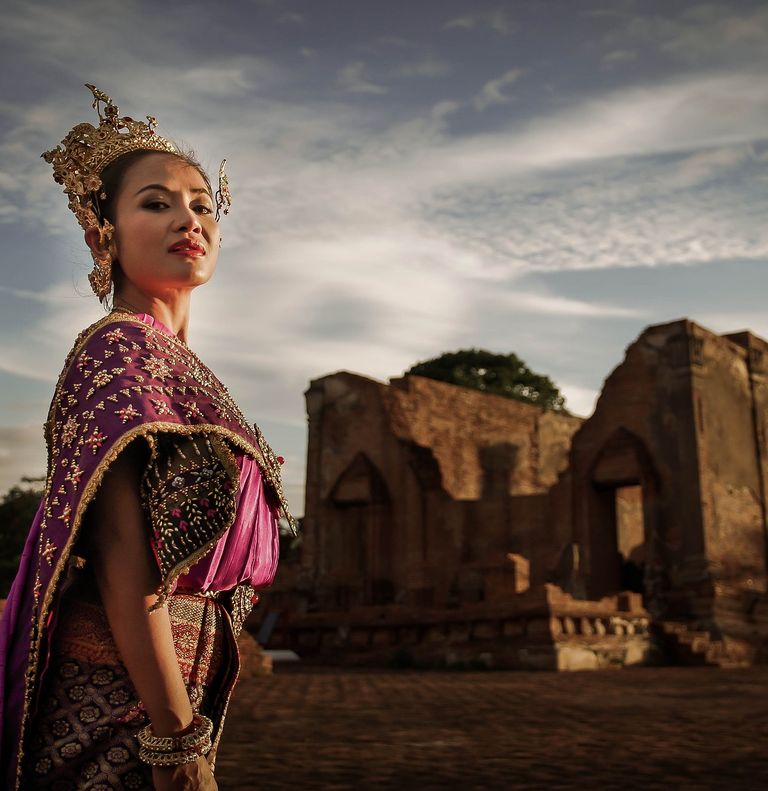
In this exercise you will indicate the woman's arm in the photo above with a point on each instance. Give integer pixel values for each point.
(127, 576)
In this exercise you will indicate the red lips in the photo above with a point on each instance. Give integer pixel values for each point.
(187, 246)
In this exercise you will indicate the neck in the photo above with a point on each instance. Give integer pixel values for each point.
(171, 309)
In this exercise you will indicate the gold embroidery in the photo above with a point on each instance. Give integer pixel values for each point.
(114, 336)
(156, 367)
(102, 379)
(49, 551)
(96, 440)
(65, 515)
(191, 409)
(74, 475)
(127, 413)
(189, 493)
(241, 604)
(70, 431)
(161, 407)
(83, 362)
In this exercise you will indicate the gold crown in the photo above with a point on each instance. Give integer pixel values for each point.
(84, 153)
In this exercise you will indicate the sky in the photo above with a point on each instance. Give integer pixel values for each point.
(409, 178)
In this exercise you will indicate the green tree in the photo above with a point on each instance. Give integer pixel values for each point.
(17, 510)
(500, 374)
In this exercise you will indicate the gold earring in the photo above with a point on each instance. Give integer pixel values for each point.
(100, 277)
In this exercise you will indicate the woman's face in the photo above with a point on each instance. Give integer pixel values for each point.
(166, 234)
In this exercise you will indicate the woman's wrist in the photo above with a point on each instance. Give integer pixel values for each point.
(171, 723)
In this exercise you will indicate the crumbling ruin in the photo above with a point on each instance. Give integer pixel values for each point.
(443, 525)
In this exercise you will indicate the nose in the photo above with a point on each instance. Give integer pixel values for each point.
(188, 220)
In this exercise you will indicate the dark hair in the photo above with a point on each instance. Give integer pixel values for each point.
(112, 180)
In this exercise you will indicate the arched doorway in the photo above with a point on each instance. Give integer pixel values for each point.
(623, 492)
(357, 538)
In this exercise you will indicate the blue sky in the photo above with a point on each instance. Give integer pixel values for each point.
(547, 178)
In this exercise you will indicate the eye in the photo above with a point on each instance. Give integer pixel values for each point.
(201, 208)
(156, 205)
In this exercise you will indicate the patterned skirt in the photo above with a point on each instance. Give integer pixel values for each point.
(83, 734)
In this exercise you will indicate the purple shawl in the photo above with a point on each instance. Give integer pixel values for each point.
(123, 379)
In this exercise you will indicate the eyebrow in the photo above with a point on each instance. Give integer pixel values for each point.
(163, 188)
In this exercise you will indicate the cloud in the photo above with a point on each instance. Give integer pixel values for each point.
(616, 56)
(712, 163)
(50, 297)
(425, 67)
(367, 235)
(351, 78)
(493, 90)
(292, 18)
(700, 33)
(546, 304)
(60, 313)
(497, 20)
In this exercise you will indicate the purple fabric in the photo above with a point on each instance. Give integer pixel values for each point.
(16, 623)
(248, 551)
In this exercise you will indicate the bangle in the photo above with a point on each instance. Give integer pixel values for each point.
(167, 759)
(182, 748)
(202, 728)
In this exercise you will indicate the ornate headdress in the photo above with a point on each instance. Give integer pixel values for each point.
(84, 153)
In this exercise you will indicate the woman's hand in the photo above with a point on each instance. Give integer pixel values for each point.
(195, 776)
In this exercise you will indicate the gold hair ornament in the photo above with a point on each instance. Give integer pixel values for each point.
(223, 195)
(84, 153)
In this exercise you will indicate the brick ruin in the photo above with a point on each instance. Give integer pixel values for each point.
(444, 525)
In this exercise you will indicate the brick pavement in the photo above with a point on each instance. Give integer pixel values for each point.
(651, 728)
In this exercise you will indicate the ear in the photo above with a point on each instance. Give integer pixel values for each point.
(94, 239)
(99, 242)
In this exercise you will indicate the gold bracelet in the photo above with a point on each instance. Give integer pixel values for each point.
(170, 759)
(169, 744)
(203, 728)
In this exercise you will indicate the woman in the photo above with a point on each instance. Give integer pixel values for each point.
(159, 520)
